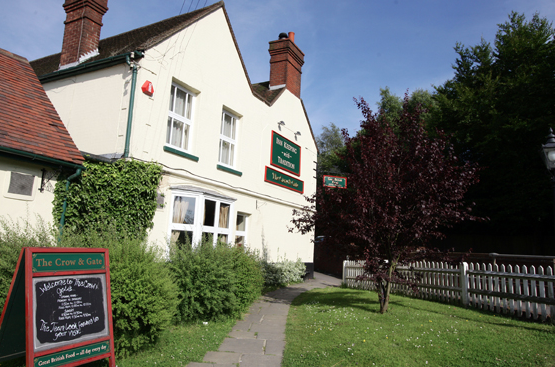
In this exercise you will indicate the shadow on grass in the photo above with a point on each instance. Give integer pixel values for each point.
(345, 298)
(367, 301)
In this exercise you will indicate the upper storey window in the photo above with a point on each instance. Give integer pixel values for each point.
(179, 118)
(228, 139)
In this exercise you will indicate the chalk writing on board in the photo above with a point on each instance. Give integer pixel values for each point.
(68, 308)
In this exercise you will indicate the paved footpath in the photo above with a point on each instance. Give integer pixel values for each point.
(259, 339)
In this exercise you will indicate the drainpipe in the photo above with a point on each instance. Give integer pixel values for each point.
(63, 218)
(131, 103)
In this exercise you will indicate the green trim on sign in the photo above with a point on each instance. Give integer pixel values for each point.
(72, 355)
(230, 170)
(281, 179)
(47, 262)
(180, 153)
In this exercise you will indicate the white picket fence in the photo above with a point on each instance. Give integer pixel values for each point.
(519, 291)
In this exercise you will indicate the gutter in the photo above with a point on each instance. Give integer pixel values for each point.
(64, 208)
(38, 157)
(89, 66)
(131, 104)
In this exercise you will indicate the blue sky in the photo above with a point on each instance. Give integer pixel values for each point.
(352, 47)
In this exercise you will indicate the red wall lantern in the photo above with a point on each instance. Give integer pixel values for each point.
(148, 88)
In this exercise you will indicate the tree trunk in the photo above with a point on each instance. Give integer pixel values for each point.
(384, 299)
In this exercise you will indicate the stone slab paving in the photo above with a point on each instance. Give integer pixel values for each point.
(259, 339)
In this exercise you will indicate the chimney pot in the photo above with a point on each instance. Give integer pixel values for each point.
(292, 36)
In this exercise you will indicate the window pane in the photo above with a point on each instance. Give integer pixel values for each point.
(177, 133)
(189, 98)
(182, 238)
(169, 131)
(21, 184)
(184, 210)
(241, 221)
(222, 238)
(239, 241)
(180, 102)
(209, 212)
(224, 152)
(186, 137)
(231, 154)
(171, 97)
(224, 216)
(227, 126)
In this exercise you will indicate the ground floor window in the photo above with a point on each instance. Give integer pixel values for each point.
(198, 216)
(241, 229)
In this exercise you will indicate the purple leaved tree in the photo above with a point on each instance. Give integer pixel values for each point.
(404, 185)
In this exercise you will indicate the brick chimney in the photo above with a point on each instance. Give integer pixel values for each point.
(82, 29)
(286, 60)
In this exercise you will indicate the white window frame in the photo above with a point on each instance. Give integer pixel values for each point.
(230, 140)
(186, 120)
(7, 182)
(197, 227)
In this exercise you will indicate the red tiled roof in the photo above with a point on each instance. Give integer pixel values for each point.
(28, 120)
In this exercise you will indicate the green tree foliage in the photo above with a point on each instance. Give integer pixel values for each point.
(404, 187)
(123, 193)
(499, 106)
(390, 106)
(329, 142)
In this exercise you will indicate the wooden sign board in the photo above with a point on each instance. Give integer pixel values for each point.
(58, 311)
(285, 154)
(334, 181)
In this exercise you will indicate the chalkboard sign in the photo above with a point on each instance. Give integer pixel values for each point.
(62, 296)
(67, 309)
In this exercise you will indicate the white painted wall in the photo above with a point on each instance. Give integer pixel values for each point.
(20, 207)
(202, 58)
(94, 108)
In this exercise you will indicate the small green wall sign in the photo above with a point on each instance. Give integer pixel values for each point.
(286, 154)
(334, 181)
(277, 178)
(43, 262)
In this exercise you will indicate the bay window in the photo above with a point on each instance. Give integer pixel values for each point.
(200, 215)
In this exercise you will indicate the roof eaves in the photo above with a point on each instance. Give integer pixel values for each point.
(90, 66)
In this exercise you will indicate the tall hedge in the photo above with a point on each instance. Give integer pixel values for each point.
(121, 193)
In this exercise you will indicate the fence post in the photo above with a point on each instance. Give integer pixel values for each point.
(463, 279)
(344, 275)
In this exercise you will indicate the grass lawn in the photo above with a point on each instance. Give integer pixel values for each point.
(343, 327)
(177, 346)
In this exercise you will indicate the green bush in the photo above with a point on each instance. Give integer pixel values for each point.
(14, 235)
(283, 272)
(144, 293)
(215, 282)
(249, 278)
(122, 193)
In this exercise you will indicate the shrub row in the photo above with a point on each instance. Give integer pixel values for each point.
(150, 291)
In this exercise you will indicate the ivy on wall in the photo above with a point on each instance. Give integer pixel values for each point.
(121, 193)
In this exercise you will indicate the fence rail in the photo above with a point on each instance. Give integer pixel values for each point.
(519, 291)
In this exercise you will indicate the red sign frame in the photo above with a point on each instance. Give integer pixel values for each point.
(103, 345)
(335, 187)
